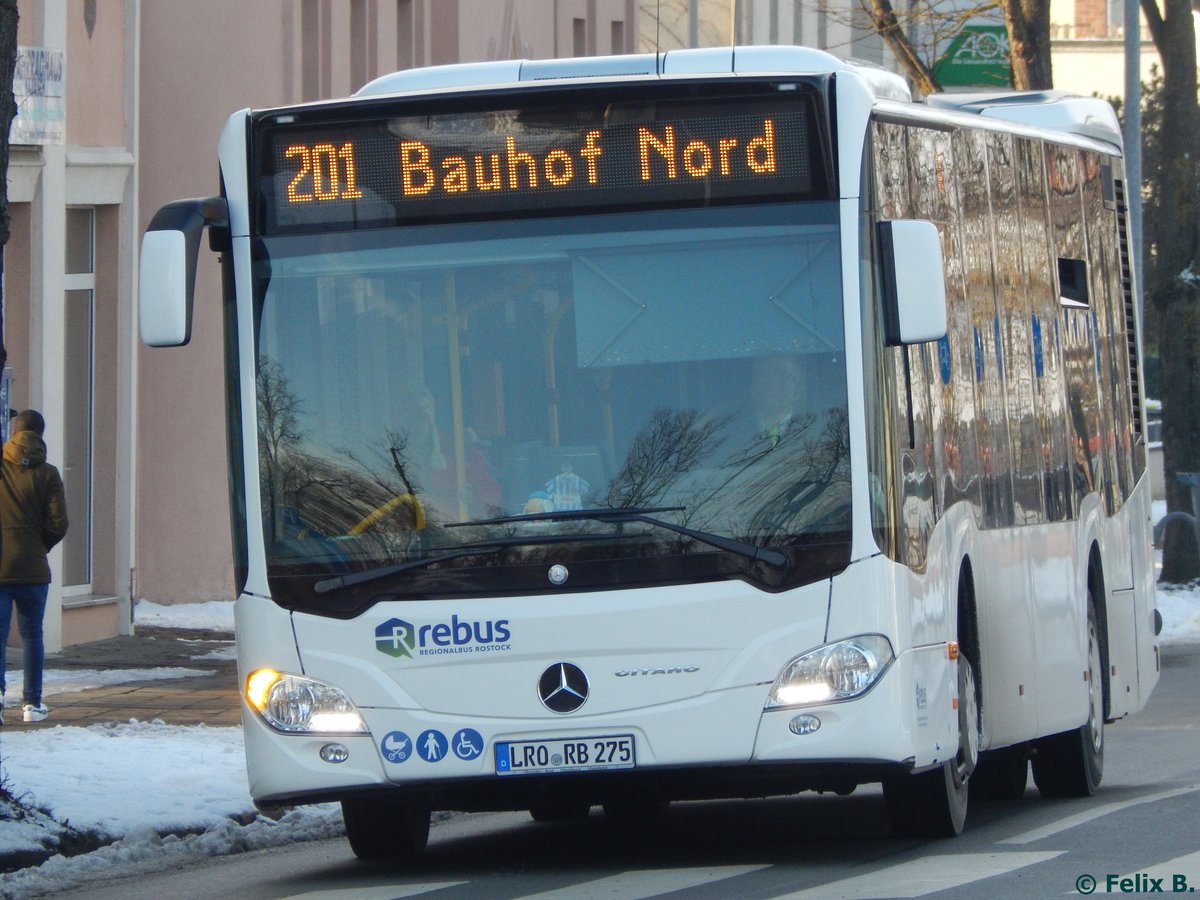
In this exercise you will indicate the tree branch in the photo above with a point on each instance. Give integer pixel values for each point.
(883, 18)
(1154, 21)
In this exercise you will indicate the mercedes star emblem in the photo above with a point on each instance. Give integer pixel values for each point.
(563, 688)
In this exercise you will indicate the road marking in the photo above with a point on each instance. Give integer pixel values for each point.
(924, 876)
(1096, 812)
(1186, 867)
(384, 892)
(642, 883)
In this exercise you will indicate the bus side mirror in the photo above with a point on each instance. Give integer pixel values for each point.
(914, 282)
(167, 268)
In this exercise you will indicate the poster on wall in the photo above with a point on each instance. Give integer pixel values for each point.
(38, 83)
(5, 398)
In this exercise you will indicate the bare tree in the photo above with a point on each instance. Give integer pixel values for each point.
(916, 37)
(1171, 272)
(278, 435)
(684, 23)
(8, 111)
(1028, 24)
(665, 450)
(885, 22)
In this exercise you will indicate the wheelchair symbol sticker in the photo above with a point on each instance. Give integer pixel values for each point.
(467, 744)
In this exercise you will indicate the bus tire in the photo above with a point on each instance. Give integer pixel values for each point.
(931, 804)
(1071, 764)
(1001, 774)
(386, 827)
(934, 803)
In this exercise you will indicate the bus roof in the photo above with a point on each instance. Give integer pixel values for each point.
(1089, 117)
(707, 61)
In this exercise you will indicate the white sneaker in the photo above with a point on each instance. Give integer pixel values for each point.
(35, 713)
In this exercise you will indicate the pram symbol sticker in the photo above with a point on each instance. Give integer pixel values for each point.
(396, 746)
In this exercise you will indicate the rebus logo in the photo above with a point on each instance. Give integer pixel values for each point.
(398, 638)
(395, 637)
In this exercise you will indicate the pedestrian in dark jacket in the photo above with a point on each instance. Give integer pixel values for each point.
(33, 518)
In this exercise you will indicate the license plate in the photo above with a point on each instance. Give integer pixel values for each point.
(565, 755)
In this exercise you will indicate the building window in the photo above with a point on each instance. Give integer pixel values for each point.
(406, 40)
(579, 37)
(79, 393)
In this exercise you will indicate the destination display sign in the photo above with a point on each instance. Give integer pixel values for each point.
(390, 170)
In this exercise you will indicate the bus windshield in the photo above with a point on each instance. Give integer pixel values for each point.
(441, 406)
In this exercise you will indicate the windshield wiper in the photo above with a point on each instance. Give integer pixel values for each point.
(474, 549)
(332, 584)
(771, 557)
(768, 555)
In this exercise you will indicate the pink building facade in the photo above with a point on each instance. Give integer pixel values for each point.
(72, 188)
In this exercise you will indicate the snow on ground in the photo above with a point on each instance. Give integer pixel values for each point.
(214, 615)
(148, 850)
(163, 793)
(68, 681)
(169, 793)
(168, 776)
(1180, 609)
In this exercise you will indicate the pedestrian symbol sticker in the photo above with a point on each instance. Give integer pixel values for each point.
(467, 744)
(396, 747)
(431, 745)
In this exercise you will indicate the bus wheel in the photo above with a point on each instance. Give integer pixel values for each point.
(1001, 774)
(1071, 764)
(934, 803)
(386, 828)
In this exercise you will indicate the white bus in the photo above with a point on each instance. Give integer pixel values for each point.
(716, 423)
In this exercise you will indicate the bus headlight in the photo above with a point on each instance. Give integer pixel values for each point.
(838, 671)
(299, 705)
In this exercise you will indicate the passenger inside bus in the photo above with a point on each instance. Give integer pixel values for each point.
(429, 464)
(775, 394)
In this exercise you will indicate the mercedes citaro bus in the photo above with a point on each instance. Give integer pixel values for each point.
(712, 423)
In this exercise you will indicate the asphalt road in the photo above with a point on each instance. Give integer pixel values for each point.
(1140, 826)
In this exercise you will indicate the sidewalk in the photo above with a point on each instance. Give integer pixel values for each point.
(209, 699)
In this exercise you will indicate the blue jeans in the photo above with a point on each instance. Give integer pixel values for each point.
(31, 607)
